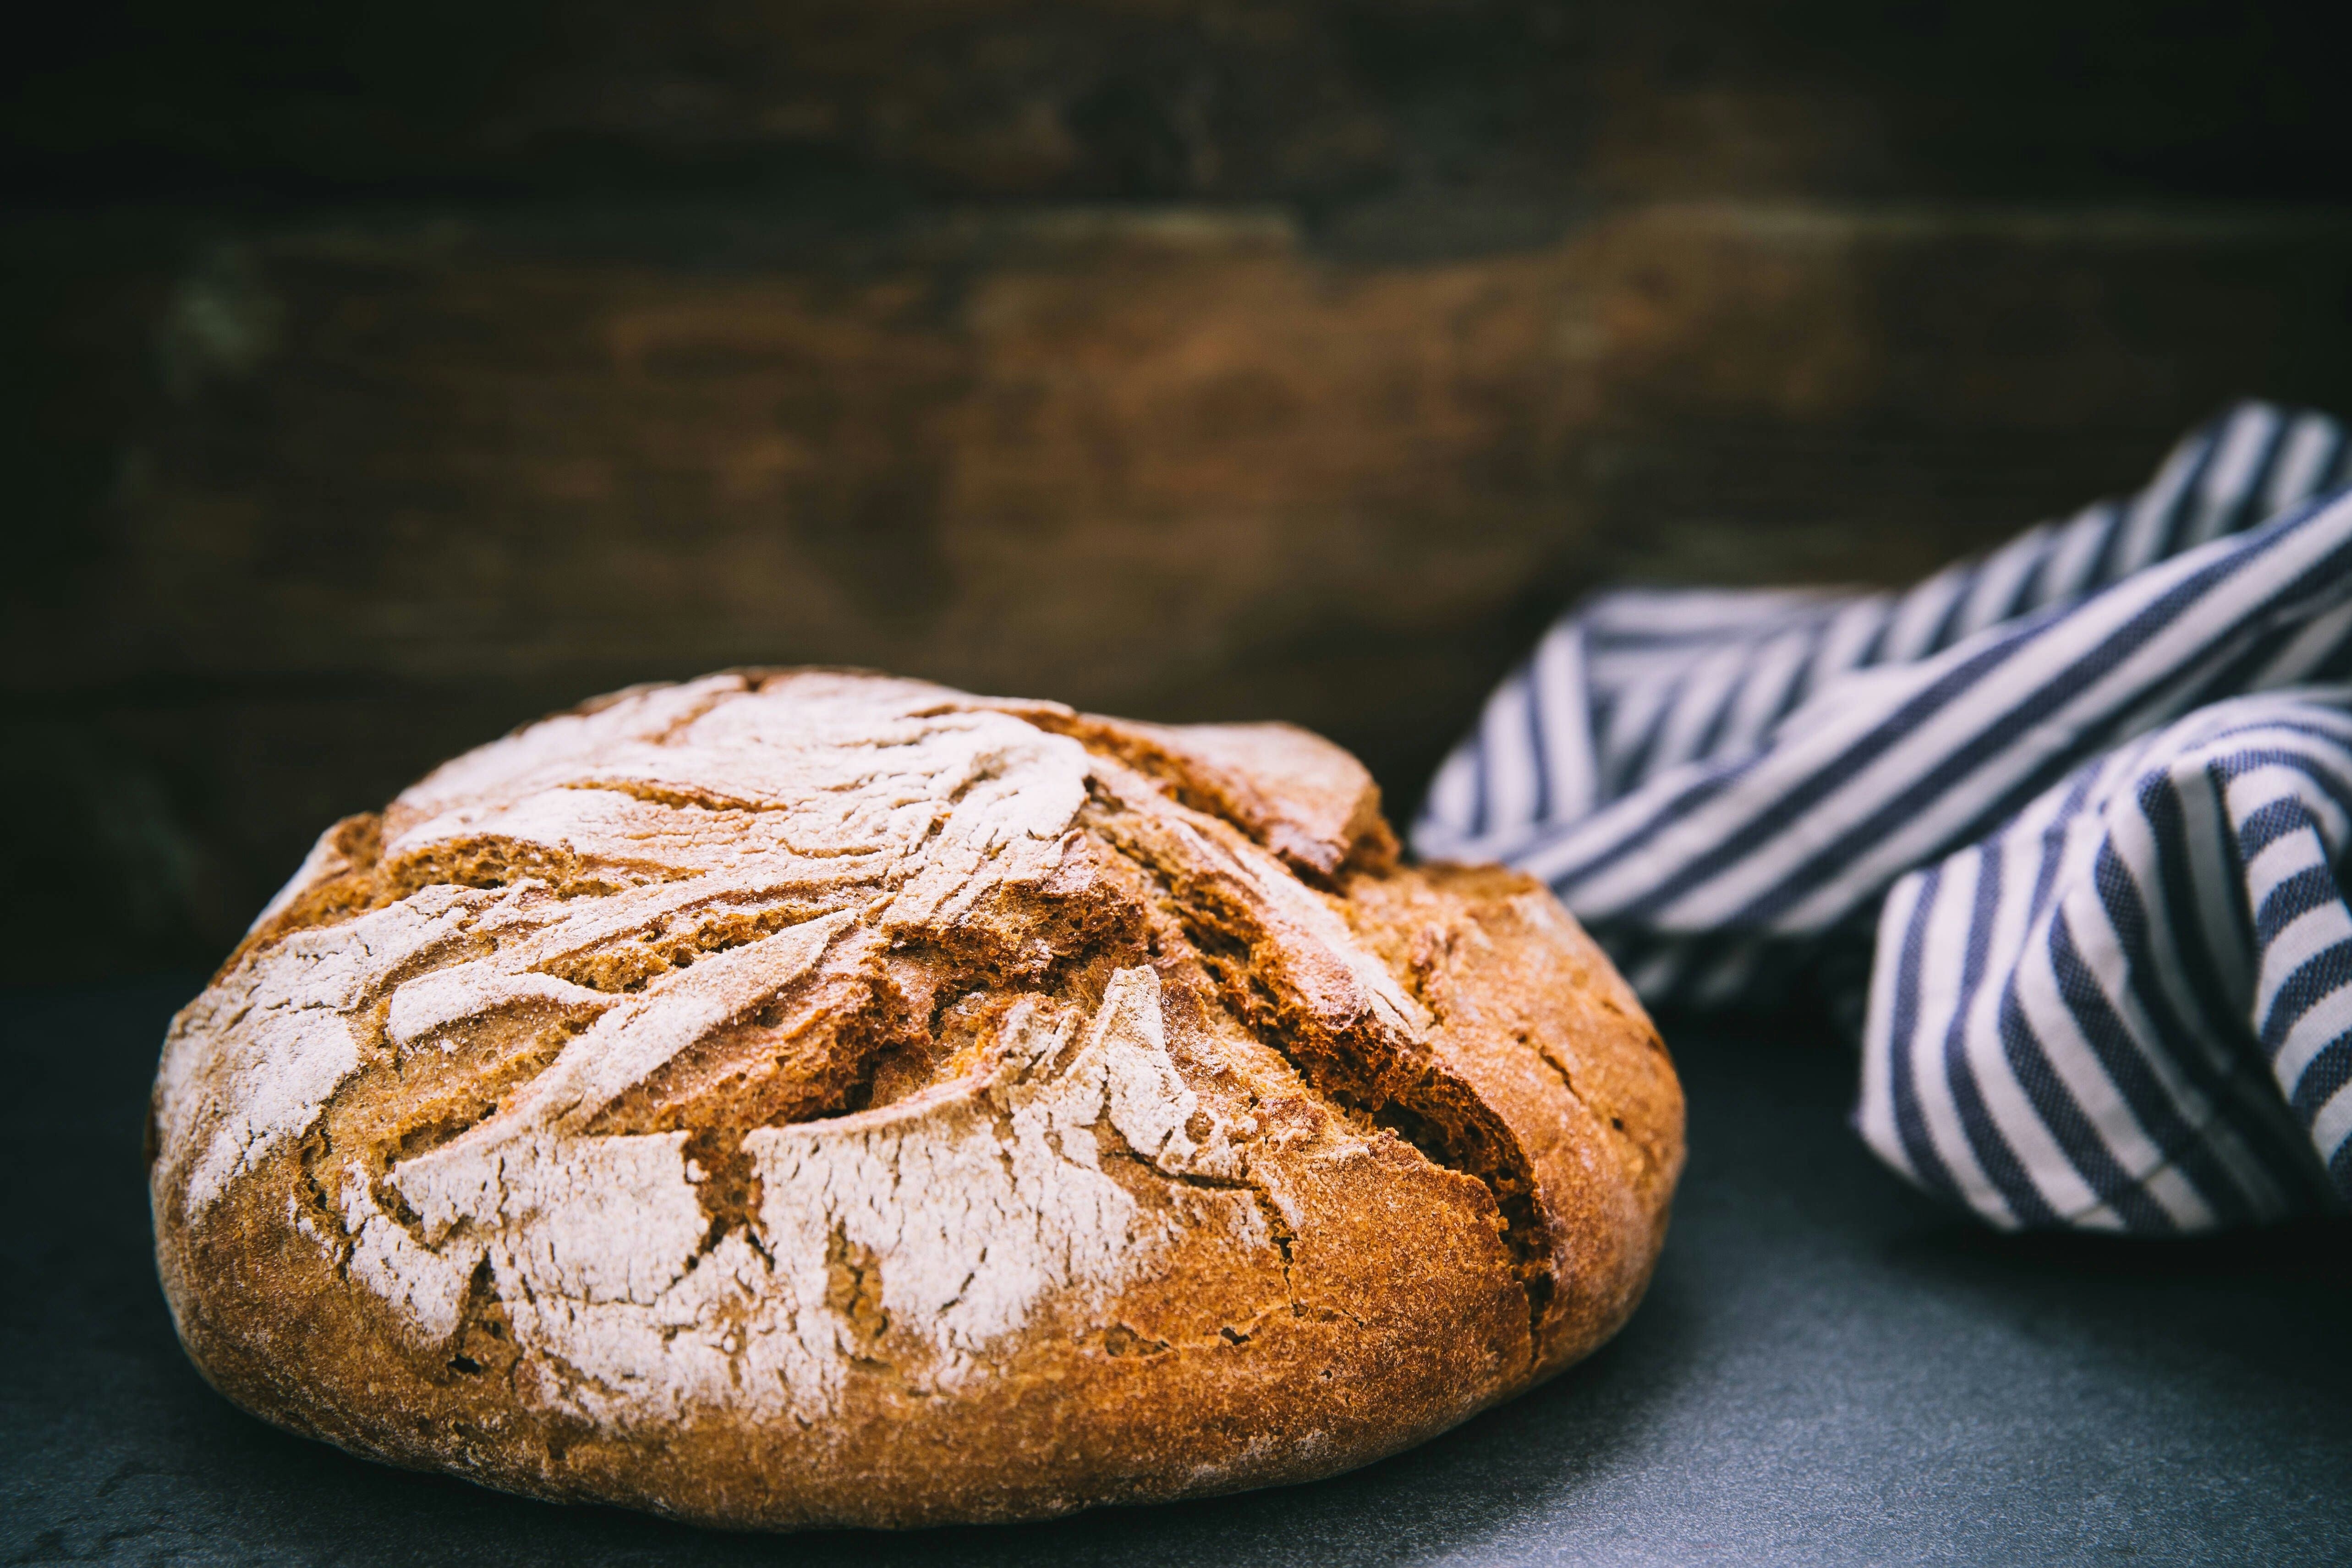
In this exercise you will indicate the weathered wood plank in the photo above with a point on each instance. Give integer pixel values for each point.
(380, 486)
(1322, 102)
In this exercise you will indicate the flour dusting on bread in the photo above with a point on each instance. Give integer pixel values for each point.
(975, 1205)
(755, 1081)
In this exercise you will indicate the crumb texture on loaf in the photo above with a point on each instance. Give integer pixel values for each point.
(779, 1074)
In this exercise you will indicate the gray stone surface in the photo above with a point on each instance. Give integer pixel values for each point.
(1829, 1370)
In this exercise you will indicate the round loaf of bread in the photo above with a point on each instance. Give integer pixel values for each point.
(802, 1098)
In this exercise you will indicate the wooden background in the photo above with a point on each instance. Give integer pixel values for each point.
(375, 378)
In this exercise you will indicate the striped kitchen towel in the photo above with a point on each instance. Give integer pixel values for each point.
(2059, 829)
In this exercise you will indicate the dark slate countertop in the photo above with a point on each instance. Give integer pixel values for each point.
(1829, 1369)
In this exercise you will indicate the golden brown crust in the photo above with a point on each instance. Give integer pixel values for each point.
(627, 1114)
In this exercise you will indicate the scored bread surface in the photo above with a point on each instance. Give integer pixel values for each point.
(808, 1097)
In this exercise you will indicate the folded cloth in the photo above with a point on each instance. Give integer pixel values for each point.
(2091, 794)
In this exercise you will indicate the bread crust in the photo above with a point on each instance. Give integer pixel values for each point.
(804, 1098)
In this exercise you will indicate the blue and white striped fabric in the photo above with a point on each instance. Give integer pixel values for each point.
(2091, 793)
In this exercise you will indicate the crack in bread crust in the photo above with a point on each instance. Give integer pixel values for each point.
(842, 1055)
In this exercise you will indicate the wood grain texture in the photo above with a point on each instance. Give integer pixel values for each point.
(366, 398)
(1320, 101)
